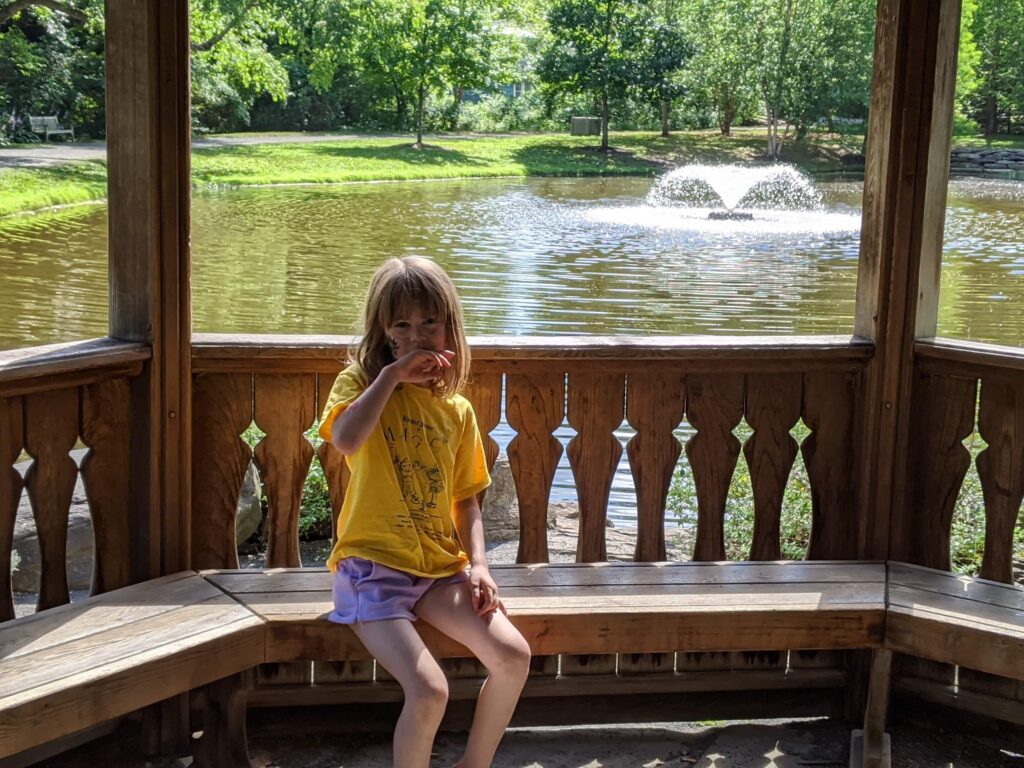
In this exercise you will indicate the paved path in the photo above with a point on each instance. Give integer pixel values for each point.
(47, 155)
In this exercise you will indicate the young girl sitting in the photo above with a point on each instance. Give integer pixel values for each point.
(411, 523)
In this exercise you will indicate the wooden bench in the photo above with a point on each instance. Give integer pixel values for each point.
(606, 608)
(73, 667)
(48, 126)
(69, 668)
(945, 617)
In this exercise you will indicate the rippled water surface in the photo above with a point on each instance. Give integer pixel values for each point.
(539, 256)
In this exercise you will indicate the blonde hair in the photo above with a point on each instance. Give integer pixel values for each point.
(397, 285)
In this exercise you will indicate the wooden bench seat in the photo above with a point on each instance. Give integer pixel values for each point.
(945, 617)
(609, 608)
(73, 667)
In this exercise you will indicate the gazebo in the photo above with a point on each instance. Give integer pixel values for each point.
(161, 410)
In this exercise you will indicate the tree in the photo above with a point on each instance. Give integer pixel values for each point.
(720, 75)
(997, 31)
(604, 48)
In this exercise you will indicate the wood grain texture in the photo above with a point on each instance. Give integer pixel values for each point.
(106, 656)
(903, 215)
(772, 410)
(828, 453)
(484, 393)
(1001, 471)
(222, 410)
(596, 409)
(51, 431)
(714, 407)
(11, 484)
(654, 408)
(534, 408)
(942, 417)
(335, 467)
(106, 424)
(284, 410)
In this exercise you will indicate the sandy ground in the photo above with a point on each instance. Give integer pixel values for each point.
(822, 743)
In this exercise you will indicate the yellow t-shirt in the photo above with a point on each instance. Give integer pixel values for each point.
(425, 455)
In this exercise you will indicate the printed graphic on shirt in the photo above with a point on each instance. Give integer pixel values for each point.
(419, 476)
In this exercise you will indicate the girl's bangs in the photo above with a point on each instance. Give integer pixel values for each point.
(404, 296)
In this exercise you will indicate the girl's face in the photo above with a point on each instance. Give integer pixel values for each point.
(414, 328)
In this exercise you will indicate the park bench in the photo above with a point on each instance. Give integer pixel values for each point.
(48, 126)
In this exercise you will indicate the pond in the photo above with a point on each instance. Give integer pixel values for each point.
(535, 256)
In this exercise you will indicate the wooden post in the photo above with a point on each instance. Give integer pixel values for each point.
(149, 198)
(901, 240)
(148, 146)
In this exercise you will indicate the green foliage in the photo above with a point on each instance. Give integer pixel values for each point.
(795, 521)
(606, 48)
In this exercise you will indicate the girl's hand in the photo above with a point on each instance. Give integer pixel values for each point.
(421, 366)
(484, 591)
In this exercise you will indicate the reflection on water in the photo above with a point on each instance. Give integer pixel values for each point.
(540, 256)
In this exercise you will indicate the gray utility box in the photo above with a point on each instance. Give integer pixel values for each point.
(585, 126)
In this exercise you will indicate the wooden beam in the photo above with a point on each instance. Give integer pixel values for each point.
(904, 205)
(148, 134)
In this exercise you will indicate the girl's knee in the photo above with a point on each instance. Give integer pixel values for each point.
(429, 692)
(512, 657)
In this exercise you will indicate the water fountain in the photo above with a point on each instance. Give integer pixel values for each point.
(733, 199)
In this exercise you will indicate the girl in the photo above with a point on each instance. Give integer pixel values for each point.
(411, 523)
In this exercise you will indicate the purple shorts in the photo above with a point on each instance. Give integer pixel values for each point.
(368, 591)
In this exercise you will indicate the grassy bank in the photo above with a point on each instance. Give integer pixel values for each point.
(375, 159)
(32, 188)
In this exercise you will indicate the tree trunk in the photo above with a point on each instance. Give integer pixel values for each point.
(604, 121)
(420, 97)
(665, 106)
(991, 124)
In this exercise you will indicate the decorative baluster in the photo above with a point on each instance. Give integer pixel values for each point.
(1001, 471)
(11, 484)
(51, 420)
(714, 407)
(596, 407)
(484, 392)
(535, 406)
(654, 408)
(284, 405)
(106, 430)
(828, 451)
(942, 416)
(222, 408)
(336, 470)
(773, 408)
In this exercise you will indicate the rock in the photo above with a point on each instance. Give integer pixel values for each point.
(501, 507)
(250, 508)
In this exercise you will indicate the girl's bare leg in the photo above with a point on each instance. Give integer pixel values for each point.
(397, 646)
(500, 648)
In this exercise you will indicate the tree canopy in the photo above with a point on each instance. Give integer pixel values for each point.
(789, 65)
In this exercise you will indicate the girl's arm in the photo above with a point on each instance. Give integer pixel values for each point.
(354, 425)
(350, 430)
(470, 525)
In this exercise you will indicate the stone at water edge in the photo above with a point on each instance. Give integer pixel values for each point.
(249, 514)
(500, 509)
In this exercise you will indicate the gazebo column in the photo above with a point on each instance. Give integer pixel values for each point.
(906, 175)
(905, 181)
(148, 132)
(148, 146)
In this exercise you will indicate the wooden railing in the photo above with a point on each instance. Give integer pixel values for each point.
(961, 389)
(53, 399)
(596, 384)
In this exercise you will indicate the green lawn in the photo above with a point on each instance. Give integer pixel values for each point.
(32, 188)
(374, 159)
